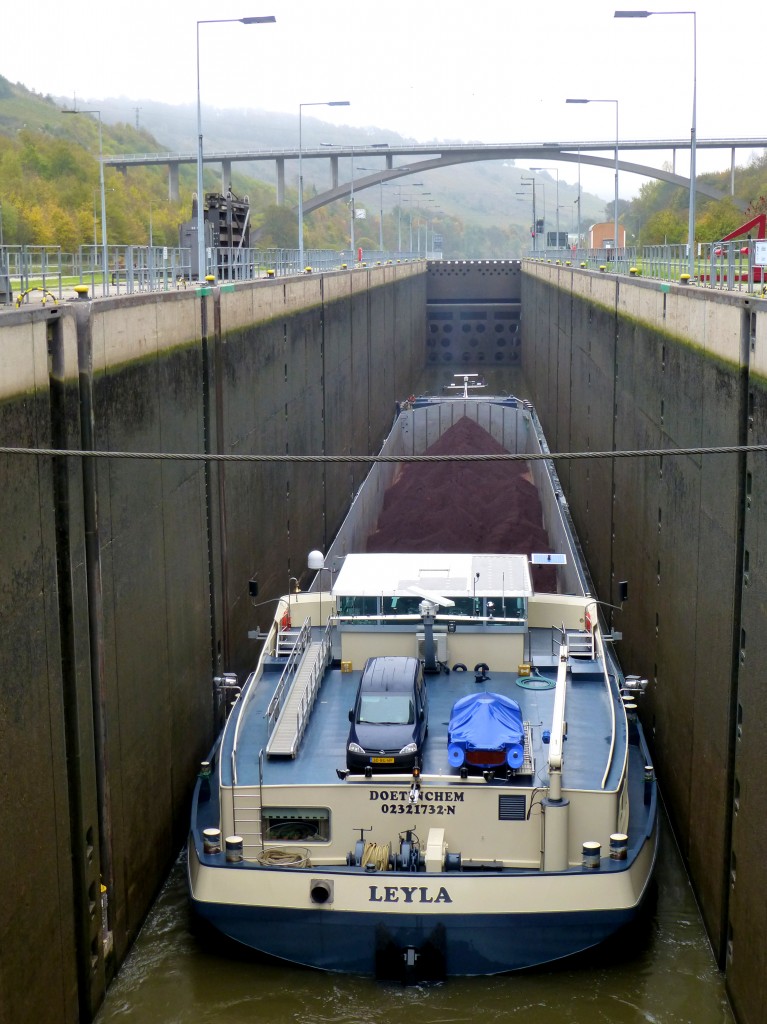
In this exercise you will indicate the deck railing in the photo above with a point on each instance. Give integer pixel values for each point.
(291, 665)
(306, 702)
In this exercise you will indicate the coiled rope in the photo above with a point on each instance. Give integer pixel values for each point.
(278, 858)
(376, 854)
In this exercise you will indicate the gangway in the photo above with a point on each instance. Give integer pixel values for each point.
(285, 738)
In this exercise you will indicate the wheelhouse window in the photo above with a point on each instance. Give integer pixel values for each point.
(354, 605)
(386, 609)
(296, 824)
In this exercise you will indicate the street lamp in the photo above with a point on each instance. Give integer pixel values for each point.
(318, 103)
(434, 211)
(413, 184)
(104, 251)
(379, 145)
(693, 132)
(556, 171)
(96, 192)
(531, 181)
(615, 211)
(410, 217)
(202, 267)
(380, 200)
(543, 218)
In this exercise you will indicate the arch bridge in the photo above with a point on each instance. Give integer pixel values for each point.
(426, 157)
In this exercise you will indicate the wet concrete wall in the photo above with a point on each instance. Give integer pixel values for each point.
(126, 582)
(627, 365)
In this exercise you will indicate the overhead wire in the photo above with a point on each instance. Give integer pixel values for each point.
(734, 449)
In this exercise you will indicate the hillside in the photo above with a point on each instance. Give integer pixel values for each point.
(49, 180)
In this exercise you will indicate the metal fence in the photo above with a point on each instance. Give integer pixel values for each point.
(611, 261)
(728, 266)
(29, 272)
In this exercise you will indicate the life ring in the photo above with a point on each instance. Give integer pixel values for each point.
(460, 667)
(284, 623)
(481, 667)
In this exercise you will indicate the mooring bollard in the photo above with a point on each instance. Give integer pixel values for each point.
(618, 846)
(233, 849)
(592, 853)
(211, 840)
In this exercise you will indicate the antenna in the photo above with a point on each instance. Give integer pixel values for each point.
(443, 602)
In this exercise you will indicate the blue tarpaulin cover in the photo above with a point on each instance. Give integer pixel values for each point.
(488, 721)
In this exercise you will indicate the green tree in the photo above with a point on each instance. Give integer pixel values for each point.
(717, 220)
(664, 227)
(277, 228)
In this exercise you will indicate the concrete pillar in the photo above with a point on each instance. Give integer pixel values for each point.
(173, 195)
(732, 171)
(226, 176)
(389, 161)
(280, 162)
(334, 172)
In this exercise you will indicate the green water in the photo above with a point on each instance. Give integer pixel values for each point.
(667, 976)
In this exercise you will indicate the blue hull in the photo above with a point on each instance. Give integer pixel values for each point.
(360, 943)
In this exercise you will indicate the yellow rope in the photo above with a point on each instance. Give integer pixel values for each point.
(376, 854)
(281, 858)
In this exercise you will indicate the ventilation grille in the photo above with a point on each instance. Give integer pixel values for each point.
(511, 808)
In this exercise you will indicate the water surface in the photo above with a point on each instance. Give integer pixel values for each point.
(664, 975)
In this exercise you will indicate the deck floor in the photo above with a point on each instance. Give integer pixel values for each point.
(323, 749)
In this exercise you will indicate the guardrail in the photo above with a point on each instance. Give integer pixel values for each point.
(25, 270)
(609, 261)
(728, 266)
(291, 666)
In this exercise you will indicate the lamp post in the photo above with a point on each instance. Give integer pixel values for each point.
(202, 267)
(410, 218)
(104, 250)
(151, 237)
(693, 130)
(531, 181)
(543, 218)
(579, 197)
(556, 171)
(615, 211)
(96, 192)
(426, 253)
(317, 103)
(381, 145)
(380, 223)
(413, 184)
(351, 209)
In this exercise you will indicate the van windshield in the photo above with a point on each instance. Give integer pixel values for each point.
(386, 709)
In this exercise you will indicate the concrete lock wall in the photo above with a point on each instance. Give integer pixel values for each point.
(628, 365)
(126, 582)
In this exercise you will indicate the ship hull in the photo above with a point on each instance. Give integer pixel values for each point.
(557, 916)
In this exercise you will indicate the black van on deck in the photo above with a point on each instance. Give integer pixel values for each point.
(389, 720)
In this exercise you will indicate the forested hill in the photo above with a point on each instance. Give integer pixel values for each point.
(49, 184)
